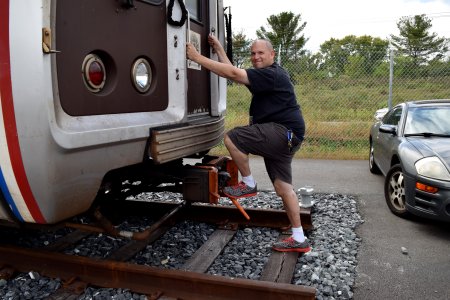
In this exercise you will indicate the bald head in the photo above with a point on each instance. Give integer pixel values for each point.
(262, 54)
(264, 42)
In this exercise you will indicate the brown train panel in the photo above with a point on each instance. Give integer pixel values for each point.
(119, 36)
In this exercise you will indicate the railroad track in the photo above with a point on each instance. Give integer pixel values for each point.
(188, 282)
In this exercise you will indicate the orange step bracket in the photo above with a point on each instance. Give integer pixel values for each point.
(241, 209)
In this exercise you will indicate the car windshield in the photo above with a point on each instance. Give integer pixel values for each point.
(428, 121)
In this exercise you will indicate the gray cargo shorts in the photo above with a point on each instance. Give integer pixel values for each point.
(268, 140)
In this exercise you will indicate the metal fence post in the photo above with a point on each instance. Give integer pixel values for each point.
(391, 76)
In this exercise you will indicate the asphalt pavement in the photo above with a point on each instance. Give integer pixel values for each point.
(384, 270)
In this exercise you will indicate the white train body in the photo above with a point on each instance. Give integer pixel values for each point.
(60, 133)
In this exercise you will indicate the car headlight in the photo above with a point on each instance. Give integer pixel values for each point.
(432, 167)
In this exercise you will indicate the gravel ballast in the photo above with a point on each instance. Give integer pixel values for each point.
(330, 267)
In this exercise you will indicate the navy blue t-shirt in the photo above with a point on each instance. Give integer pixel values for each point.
(273, 99)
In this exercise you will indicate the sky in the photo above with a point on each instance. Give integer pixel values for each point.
(336, 19)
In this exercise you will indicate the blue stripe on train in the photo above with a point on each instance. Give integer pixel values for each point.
(7, 196)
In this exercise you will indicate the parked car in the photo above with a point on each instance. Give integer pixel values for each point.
(410, 146)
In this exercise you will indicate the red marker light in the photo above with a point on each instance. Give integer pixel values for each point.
(94, 74)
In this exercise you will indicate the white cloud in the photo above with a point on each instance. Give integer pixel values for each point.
(327, 19)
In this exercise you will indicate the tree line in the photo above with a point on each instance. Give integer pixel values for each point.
(419, 52)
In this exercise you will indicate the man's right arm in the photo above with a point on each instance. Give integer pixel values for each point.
(218, 49)
(222, 69)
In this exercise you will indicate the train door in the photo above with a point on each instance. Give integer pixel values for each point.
(199, 88)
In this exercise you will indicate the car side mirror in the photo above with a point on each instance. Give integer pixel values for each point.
(392, 129)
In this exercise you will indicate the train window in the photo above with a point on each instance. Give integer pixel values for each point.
(141, 75)
(194, 8)
(94, 73)
(154, 2)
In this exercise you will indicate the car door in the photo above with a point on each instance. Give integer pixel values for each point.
(385, 143)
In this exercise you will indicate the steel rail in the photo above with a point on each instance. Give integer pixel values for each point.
(149, 280)
(187, 283)
(215, 214)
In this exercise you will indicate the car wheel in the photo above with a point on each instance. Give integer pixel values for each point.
(372, 165)
(394, 191)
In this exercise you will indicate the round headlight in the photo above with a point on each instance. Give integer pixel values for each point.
(93, 72)
(141, 75)
(432, 167)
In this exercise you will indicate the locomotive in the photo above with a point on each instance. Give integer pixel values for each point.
(94, 91)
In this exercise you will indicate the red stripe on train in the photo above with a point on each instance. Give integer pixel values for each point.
(9, 119)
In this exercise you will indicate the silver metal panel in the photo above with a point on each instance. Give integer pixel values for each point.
(169, 144)
(218, 84)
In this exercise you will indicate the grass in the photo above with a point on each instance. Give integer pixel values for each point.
(338, 111)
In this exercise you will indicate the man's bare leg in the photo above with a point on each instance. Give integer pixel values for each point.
(297, 242)
(290, 201)
(241, 159)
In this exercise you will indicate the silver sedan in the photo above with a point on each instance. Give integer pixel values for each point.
(410, 146)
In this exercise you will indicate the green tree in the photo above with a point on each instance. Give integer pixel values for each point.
(416, 41)
(335, 54)
(241, 49)
(439, 68)
(365, 53)
(285, 32)
(355, 67)
(405, 67)
(372, 50)
(307, 67)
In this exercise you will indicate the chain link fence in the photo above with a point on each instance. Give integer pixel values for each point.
(340, 95)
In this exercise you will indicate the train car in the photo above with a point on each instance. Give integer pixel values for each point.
(90, 87)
